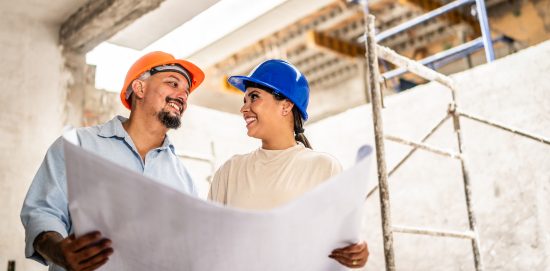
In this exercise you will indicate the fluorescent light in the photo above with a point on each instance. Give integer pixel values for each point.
(112, 63)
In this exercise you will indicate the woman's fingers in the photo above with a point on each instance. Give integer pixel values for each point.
(353, 256)
(362, 245)
(349, 262)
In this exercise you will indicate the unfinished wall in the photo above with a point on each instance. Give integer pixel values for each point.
(32, 104)
(510, 174)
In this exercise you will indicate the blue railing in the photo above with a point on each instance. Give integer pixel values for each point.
(453, 54)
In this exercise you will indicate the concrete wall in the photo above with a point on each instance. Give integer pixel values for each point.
(32, 109)
(510, 174)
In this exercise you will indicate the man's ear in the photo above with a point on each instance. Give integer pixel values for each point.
(139, 88)
(287, 106)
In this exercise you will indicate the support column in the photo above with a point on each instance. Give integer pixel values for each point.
(372, 61)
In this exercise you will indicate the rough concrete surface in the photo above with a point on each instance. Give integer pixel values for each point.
(99, 20)
(32, 102)
(510, 174)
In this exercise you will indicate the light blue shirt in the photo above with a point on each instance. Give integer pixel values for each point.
(46, 206)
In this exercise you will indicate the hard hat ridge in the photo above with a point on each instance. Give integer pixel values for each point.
(161, 59)
(166, 68)
(280, 76)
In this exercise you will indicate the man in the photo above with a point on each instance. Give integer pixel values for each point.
(156, 90)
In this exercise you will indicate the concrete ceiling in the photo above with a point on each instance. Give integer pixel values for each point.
(263, 26)
(52, 11)
(154, 25)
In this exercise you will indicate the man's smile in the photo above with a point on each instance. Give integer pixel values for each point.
(174, 105)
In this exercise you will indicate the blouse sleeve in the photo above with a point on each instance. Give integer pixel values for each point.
(336, 168)
(218, 189)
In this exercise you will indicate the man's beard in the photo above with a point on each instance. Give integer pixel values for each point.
(171, 122)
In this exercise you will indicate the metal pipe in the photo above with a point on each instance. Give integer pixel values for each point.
(414, 230)
(413, 66)
(445, 61)
(485, 30)
(195, 155)
(385, 65)
(424, 146)
(476, 245)
(477, 43)
(418, 20)
(424, 138)
(372, 61)
(541, 139)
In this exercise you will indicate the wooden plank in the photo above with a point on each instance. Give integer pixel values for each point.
(343, 48)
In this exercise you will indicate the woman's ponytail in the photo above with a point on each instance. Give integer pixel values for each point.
(299, 127)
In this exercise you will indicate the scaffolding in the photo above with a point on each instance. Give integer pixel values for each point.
(374, 52)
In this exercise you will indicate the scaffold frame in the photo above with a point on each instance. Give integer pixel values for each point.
(374, 52)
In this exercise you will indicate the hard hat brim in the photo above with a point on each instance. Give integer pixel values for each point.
(239, 83)
(196, 73)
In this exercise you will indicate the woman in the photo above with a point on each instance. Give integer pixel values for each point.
(285, 166)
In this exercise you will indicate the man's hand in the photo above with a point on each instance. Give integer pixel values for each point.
(74, 254)
(354, 256)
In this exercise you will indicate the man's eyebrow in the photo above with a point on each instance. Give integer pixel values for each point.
(188, 88)
(174, 78)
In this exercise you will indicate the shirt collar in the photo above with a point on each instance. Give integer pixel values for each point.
(167, 144)
(113, 128)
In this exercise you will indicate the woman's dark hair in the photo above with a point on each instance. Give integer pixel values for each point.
(298, 116)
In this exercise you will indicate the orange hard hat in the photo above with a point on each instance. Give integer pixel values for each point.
(154, 59)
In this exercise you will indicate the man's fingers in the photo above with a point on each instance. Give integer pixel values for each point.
(85, 240)
(90, 251)
(96, 266)
(99, 258)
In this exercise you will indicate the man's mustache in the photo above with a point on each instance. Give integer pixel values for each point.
(179, 101)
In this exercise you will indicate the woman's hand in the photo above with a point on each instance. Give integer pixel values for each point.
(354, 256)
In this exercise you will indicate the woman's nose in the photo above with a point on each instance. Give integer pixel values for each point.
(245, 108)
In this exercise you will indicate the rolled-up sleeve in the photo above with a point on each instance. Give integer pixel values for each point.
(46, 206)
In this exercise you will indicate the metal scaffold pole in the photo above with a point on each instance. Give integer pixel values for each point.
(476, 245)
(376, 101)
(485, 30)
(375, 51)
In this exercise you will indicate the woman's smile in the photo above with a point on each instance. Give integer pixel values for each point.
(249, 120)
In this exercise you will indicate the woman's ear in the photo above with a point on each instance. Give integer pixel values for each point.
(287, 107)
(138, 87)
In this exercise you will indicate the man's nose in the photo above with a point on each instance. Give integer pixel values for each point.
(183, 96)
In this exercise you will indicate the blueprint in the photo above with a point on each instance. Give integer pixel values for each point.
(154, 227)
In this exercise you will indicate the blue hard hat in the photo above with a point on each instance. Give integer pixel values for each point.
(282, 77)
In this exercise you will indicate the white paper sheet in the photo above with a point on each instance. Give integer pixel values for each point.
(154, 227)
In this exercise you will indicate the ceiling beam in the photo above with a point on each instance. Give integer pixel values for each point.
(98, 20)
(338, 46)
